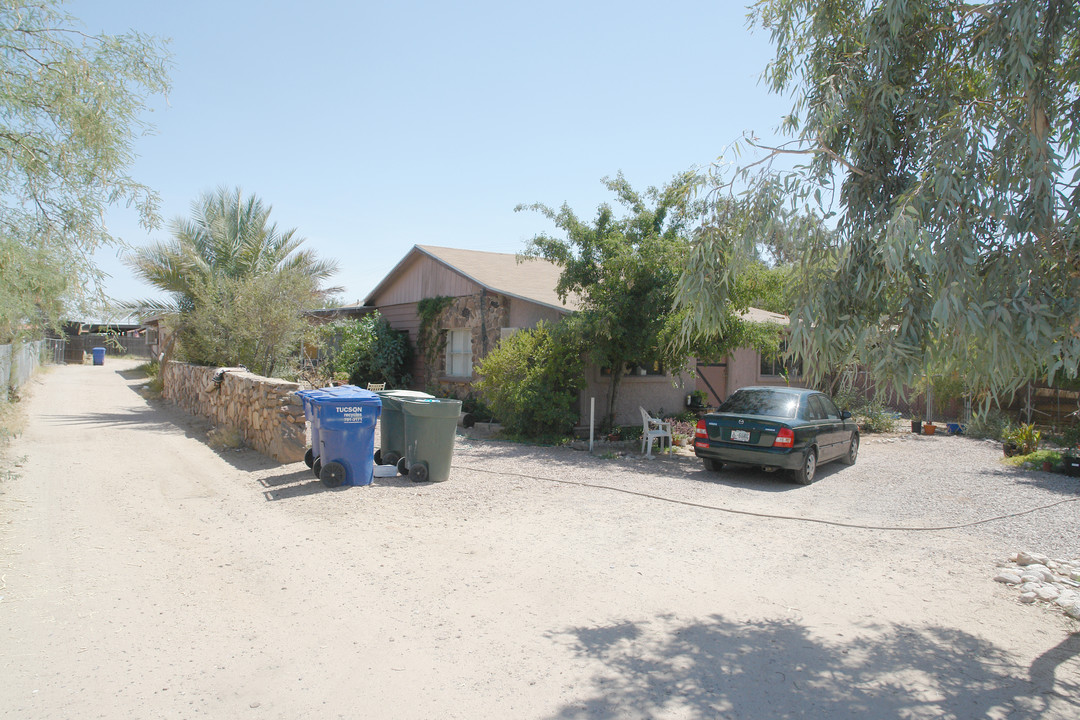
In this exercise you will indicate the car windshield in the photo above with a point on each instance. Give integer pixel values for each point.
(762, 402)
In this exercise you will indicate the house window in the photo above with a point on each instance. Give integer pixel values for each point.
(459, 353)
(776, 365)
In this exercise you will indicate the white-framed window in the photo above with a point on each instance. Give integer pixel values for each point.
(459, 353)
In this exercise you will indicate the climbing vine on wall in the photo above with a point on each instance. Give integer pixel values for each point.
(430, 339)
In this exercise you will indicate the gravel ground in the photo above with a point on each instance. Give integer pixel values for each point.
(900, 481)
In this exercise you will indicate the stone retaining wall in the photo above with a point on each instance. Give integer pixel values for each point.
(265, 411)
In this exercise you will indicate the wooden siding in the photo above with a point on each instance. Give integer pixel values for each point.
(405, 318)
(425, 278)
(524, 314)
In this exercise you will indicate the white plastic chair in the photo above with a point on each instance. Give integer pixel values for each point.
(653, 429)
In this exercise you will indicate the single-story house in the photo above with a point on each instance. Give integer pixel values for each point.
(745, 366)
(494, 295)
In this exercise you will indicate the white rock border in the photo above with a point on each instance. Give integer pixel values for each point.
(1053, 582)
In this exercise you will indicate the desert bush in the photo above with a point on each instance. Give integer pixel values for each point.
(874, 417)
(991, 424)
(531, 380)
(369, 350)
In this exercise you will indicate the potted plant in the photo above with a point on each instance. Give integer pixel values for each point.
(916, 424)
(1070, 463)
(1022, 440)
(929, 428)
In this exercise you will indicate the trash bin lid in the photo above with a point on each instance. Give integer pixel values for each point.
(347, 394)
(394, 398)
(432, 407)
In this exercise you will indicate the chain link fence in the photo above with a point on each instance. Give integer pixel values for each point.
(18, 362)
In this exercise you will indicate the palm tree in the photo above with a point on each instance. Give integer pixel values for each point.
(216, 266)
(227, 237)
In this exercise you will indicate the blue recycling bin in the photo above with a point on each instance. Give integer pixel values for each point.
(312, 417)
(99, 355)
(346, 420)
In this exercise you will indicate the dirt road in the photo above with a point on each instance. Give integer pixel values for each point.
(145, 575)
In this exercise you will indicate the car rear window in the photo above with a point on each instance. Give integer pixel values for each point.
(762, 402)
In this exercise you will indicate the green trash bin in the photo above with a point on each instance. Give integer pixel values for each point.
(430, 427)
(392, 424)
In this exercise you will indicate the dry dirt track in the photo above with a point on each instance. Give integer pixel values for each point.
(145, 575)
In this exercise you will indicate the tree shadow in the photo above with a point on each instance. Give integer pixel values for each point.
(145, 417)
(133, 374)
(778, 669)
(1051, 482)
(567, 461)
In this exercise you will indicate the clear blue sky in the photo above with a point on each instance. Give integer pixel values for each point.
(371, 127)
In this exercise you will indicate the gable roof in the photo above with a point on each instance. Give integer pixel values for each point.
(532, 279)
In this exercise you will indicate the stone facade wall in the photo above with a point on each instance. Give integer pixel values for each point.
(486, 314)
(265, 411)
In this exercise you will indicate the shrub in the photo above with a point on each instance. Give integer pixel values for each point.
(871, 415)
(531, 380)
(991, 424)
(152, 370)
(874, 417)
(1025, 437)
(369, 350)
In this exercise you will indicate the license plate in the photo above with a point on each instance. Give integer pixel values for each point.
(740, 435)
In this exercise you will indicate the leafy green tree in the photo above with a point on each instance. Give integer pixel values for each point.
(238, 285)
(252, 321)
(945, 136)
(531, 379)
(626, 272)
(70, 111)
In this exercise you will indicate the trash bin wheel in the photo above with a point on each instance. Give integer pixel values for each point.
(391, 458)
(309, 457)
(418, 472)
(316, 467)
(402, 466)
(332, 474)
(378, 456)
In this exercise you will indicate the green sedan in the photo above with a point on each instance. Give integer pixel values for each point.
(777, 427)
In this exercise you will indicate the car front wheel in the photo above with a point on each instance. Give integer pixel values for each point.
(805, 474)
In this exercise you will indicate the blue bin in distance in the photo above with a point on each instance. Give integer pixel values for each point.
(99, 355)
(346, 420)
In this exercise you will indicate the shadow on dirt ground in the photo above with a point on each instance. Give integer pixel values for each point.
(565, 462)
(720, 668)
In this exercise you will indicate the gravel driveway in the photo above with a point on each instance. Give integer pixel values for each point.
(145, 575)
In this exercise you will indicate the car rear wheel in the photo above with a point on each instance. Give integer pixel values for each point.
(713, 465)
(853, 450)
(805, 474)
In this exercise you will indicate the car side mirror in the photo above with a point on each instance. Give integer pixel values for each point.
(845, 415)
